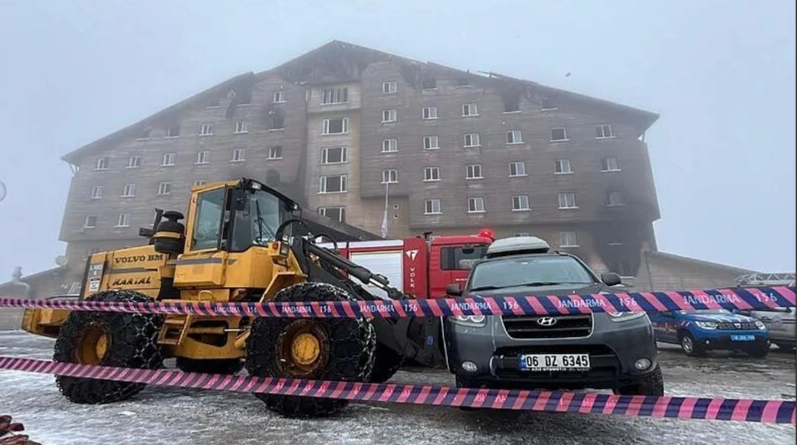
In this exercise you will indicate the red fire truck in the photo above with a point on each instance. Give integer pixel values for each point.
(422, 266)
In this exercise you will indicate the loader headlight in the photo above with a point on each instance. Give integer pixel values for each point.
(760, 325)
(707, 325)
(470, 320)
(625, 316)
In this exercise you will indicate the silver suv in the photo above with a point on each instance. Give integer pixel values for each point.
(573, 351)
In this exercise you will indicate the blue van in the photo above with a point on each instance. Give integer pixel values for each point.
(702, 330)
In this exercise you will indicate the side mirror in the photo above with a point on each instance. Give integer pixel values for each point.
(454, 290)
(611, 279)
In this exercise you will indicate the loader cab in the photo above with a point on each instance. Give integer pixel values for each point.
(229, 231)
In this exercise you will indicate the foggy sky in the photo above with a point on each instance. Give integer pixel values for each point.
(721, 74)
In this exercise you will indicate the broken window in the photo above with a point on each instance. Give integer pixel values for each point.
(548, 103)
(276, 120)
(511, 104)
(429, 83)
(463, 82)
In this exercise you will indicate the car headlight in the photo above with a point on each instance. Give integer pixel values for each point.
(625, 316)
(707, 325)
(470, 320)
(760, 325)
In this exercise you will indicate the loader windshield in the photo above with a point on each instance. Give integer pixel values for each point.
(257, 222)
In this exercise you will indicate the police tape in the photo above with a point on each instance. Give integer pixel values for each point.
(751, 298)
(697, 408)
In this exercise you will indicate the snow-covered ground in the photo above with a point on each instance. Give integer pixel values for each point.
(177, 416)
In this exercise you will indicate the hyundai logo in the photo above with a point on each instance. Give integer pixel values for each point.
(738, 325)
(546, 321)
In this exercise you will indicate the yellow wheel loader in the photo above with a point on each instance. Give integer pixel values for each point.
(242, 242)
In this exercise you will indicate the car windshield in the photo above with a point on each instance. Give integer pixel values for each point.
(528, 271)
(257, 223)
(707, 312)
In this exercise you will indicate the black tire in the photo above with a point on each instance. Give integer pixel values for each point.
(690, 346)
(132, 343)
(219, 366)
(651, 385)
(351, 344)
(386, 363)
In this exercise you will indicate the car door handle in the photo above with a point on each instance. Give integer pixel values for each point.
(765, 319)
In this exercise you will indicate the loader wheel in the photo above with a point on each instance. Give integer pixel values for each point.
(217, 366)
(108, 339)
(386, 363)
(339, 349)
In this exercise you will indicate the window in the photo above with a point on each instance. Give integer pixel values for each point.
(334, 155)
(199, 182)
(461, 258)
(567, 200)
(389, 145)
(279, 97)
(514, 137)
(431, 174)
(523, 234)
(90, 222)
(238, 155)
(548, 104)
(389, 116)
(603, 131)
(389, 176)
(168, 159)
(520, 203)
(275, 152)
(96, 192)
(609, 164)
(123, 220)
(335, 96)
(562, 167)
(210, 208)
(430, 143)
(475, 205)
(203, 157)
(463, 82)
(470, 109)
(164, 188)
(145, 133)
(614, 199)
(129, 191)
(389, 87)
(429, 83)
(134, 162)
(568, 239)
(473, 171)
(336, 126)
(512, 104)
(334, 184)
(558, 134)
(472, 140)
(102, 164)
(206, 130)
(336, 213)
(241, 127)
(517, 169)
(276, 120)
(429, 112)
(431, 207)
(173, 131)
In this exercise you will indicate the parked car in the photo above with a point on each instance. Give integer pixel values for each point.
(780, 323)
(702, 330)
(584, 350)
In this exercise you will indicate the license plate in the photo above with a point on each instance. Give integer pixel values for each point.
(742, 337)
(553, 362)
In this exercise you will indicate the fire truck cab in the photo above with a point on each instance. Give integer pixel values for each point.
(421, 266)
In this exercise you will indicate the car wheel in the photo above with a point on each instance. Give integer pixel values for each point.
(651, 385)
(785, 346)
(691, 347)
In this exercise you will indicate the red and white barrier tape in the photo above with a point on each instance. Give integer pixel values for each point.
(761, 298)
(696, 408)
